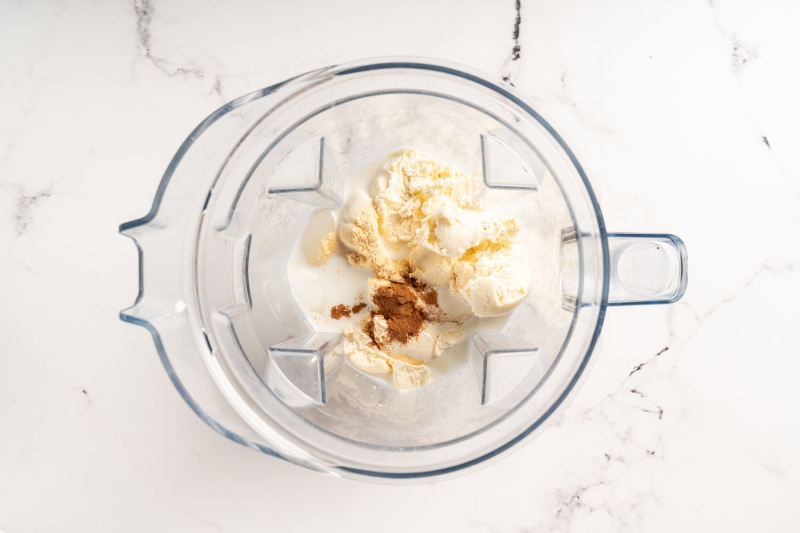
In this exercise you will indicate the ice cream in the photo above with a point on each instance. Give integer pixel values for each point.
(457, 260)
(455, 227)
(493, 278)
(452, 239)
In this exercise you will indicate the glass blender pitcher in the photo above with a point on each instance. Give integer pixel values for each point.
(214, 290)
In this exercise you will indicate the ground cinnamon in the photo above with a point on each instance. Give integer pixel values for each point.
(425, 291)
(342, 311)
(404, 309)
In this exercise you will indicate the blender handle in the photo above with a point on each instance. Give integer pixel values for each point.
(646, 268)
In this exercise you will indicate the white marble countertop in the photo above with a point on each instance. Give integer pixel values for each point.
(686, 115)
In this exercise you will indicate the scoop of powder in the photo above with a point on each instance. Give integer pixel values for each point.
(358, 230)
(363, 353)
(407, 377)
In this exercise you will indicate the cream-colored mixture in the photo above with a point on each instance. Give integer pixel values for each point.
(421, 210)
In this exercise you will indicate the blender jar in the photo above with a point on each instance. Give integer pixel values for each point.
(215, 295)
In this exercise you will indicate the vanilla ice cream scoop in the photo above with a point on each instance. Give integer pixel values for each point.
(452, 229)
(494, 280)
(407, 190)
(454, 241)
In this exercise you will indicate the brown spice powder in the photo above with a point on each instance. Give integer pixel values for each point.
(340, 311)
(400, 305)
(425, 291)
